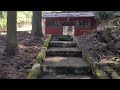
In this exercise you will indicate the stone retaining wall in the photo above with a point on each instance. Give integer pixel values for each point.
(36, 69)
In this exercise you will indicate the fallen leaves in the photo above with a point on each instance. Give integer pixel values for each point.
(18, 66)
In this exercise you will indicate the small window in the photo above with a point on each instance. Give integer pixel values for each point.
(82, 24)
(53, 24)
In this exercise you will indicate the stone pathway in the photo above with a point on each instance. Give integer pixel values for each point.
(64, 60)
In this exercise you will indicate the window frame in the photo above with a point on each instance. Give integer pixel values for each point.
(83, 24)
(54, 24)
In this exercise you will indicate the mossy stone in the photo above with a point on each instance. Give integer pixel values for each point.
(36, 69)
(40, 57)
(35, 72)
(47, 41)
(101, 74)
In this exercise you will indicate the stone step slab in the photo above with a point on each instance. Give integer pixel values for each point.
(64, 52)
(62, 44)
(65, 65)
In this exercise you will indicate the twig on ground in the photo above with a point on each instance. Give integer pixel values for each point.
(99, 56)
(102, 54)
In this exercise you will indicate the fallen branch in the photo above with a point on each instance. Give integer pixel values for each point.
(102, 54)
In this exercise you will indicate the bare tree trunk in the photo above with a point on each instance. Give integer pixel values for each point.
(37, 23)
(11, 43)
(0, 13)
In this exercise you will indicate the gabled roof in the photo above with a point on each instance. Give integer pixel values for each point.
(69, 14)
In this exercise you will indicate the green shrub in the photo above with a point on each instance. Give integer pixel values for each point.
(104, 15)
(3, 20)
(23, 18)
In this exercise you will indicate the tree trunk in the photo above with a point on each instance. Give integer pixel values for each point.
(11, 43)
(0, 13)
(37, 23)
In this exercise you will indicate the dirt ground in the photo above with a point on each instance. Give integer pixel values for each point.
(98, 50)
(18, 66)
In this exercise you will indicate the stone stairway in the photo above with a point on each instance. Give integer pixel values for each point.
(64, 60)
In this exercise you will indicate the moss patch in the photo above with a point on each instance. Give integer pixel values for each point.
(42, 53)
(101, 74)
(112, 73)
(47, 41)
(86, 56)
(115, 75)
(35, 72)
(97, 72)
(88, 59)
(40, 57)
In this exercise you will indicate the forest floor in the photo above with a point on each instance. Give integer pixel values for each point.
(18, 66)
(101, 55)
(97, 49)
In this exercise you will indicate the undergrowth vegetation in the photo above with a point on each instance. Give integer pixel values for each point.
(23, 18)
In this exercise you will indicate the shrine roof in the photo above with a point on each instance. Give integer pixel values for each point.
(69, 14)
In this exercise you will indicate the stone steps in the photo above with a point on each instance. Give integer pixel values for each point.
(62, 44)
(58, 51)
(62, 39)
(64, 60)
(65, 65)
(61, 36)
(64, 76)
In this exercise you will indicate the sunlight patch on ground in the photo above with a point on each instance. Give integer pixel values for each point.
(3, 33)
(25, 28)
(21, 46)
(56, 59)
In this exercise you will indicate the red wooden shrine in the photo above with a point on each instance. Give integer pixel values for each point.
(82, 22)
